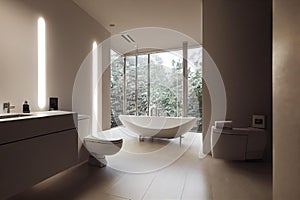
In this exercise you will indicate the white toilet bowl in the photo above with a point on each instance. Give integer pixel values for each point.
(97, 147)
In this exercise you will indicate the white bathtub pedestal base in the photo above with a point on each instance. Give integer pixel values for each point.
(141, 138)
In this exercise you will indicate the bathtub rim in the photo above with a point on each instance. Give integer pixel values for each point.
(185, 120)
(148, 132)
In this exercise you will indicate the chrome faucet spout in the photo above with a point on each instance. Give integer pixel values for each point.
(154, 111)
(8, 107)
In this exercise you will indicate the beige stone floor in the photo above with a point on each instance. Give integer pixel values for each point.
(189, 178)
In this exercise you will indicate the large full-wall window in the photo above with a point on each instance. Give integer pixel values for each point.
(194, 72)
(153, 84)
(130, 85)
(142, 85)
(116, 87)
(166, 84)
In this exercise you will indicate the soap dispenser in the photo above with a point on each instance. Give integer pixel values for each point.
(26, 107)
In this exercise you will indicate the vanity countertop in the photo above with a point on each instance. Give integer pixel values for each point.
(32, 115)
(37, 124)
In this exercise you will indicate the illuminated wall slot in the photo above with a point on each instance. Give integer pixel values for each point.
(41, 63)
(95, 88)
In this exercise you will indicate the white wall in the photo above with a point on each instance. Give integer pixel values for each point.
(70, 33)
(286, 98)
(238, 37)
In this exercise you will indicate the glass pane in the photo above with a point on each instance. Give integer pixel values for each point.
(195, 86)
(142, 83)
(130, 85)
(116, 89)
(166, 84)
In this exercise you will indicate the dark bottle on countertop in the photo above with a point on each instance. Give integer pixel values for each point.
(26, 107)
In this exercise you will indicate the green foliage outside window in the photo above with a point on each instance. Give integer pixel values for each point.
(166, 85)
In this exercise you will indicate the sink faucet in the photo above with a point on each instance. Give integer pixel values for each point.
(8, 107)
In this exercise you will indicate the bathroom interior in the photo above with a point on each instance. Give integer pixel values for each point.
(154, 99)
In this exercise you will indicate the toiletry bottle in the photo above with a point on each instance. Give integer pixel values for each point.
(26, 107)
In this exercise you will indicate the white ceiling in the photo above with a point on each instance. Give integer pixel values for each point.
(184, 16)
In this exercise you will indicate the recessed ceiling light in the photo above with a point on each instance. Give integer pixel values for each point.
(112, 25)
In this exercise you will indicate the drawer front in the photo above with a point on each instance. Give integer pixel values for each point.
(28, 162)
(12, 131)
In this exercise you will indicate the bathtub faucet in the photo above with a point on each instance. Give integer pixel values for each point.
(154, 111)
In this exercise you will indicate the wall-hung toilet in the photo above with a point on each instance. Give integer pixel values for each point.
(97, 147)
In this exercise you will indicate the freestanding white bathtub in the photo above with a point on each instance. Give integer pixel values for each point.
(158, 127)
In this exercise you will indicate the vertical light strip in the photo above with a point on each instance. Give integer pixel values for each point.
(95, 88)
(41, 63)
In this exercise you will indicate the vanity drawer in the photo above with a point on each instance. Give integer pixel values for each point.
(27, 162)
(12, 131)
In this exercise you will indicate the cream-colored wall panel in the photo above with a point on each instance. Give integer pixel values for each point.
(286, 98)
(70, 33)
(240, 43)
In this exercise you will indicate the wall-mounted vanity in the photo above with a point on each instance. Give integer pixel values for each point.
(34, 147)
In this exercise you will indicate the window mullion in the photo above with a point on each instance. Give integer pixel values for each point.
(148, 84)
(124, 87)
(185, 77)
(136, 86)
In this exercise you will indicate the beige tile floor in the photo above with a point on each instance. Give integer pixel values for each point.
(189, 178)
